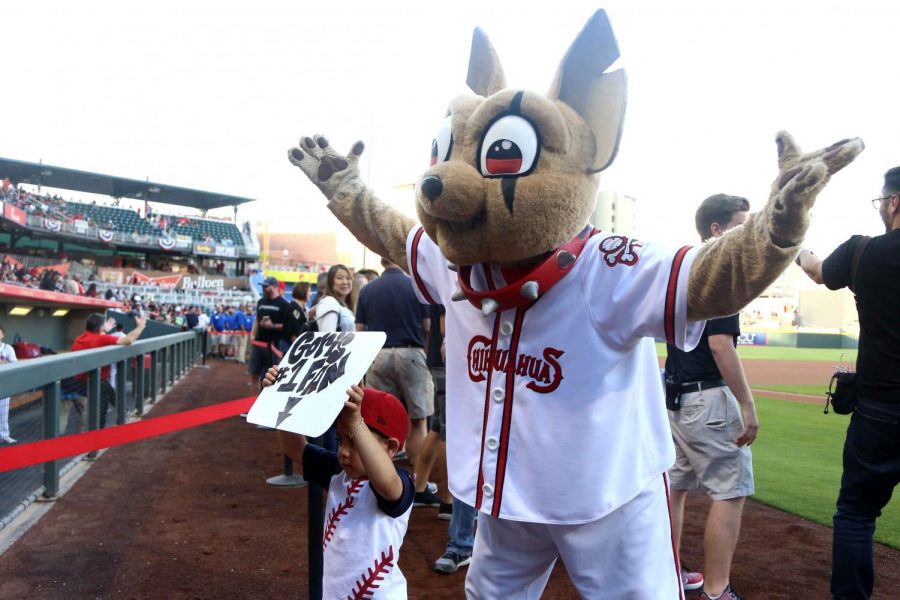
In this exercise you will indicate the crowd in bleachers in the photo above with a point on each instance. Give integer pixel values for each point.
(125, 220)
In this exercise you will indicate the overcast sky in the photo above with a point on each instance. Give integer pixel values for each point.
(211, 94)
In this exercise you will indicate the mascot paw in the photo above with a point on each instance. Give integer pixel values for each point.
(323, 165)
(800, 179)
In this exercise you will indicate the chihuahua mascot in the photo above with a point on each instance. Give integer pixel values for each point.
(555, 412)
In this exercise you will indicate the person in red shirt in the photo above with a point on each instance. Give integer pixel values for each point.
(95, 336)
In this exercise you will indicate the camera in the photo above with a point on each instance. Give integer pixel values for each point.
(673, 391)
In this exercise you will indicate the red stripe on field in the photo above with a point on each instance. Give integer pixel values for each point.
(24, 455)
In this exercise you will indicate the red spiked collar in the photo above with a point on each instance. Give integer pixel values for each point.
(530, 287)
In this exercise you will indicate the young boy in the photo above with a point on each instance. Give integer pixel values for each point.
(369, 499)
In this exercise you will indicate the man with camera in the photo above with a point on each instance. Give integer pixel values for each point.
(713, 420)
(870, 267)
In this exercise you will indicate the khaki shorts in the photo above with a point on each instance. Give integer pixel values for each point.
(706, 455)
(403, 373)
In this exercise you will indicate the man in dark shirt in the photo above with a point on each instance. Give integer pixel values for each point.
(389, 304)
(871, 269)
(271, 313)
(298, 315)
(715, 425)
(191, 318)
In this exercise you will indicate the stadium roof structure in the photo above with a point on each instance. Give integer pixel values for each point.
(117, 187)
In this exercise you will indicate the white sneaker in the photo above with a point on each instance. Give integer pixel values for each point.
(7, 440)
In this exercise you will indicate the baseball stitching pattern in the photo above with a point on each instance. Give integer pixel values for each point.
(340, 510)
(369, 583)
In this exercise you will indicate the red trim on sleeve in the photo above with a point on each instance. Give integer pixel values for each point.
(414, 266)
(672, 295)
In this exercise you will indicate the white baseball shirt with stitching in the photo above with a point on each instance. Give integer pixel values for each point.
(555, 412)
(361, 544)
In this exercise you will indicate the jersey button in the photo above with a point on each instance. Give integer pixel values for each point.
(488, 490)
(492, 443)
(497, 394)
(506, 328)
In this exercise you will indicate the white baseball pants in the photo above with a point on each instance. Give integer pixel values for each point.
(4, 417)
(626, 554)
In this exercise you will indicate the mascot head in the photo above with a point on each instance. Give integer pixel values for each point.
(513, 173)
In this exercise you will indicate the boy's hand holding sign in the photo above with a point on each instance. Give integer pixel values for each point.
(310, 387)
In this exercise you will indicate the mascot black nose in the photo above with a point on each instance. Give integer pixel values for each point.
(432, 187)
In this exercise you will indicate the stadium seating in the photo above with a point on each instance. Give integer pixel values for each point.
(128, 221)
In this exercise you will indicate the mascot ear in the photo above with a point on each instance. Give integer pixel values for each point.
(485, 73)
(597, 96)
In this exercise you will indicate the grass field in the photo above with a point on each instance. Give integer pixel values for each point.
(811, 390)
(797, 463)
(835, 355)
(797, 456)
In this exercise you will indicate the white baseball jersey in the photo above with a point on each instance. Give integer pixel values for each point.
(554, 409)
(361, 544)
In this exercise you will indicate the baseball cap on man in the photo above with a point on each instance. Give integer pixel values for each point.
(269, 281)
(385, 414)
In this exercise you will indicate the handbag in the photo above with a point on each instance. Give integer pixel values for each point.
(841, 393)
(25, 350)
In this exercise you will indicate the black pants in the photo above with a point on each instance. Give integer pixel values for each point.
(107, 395)
(871, 471)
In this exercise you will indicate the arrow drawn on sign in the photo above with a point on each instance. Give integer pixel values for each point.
(291, 403)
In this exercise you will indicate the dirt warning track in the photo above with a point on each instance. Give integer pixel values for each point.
(188, 515)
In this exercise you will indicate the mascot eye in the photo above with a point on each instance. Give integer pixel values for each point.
(442, 144)
(510, 147)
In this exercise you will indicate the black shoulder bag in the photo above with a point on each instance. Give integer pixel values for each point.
(841, 392)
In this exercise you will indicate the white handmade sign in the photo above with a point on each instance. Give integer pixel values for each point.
(313, 378)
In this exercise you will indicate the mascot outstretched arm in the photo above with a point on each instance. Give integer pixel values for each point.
(556, 417)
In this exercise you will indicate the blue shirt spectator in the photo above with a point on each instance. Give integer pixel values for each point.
(389, 304)
(219, 320)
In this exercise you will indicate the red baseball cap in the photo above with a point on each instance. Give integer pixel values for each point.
(385, 414)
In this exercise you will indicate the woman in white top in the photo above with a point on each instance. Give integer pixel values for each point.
(334, 310)
(7, 355)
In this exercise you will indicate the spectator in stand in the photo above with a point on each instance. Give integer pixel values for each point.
(97, 335)
(369, 274)
(271, 313)
(229, 328)
(334, 311)
(191, 319)
(70, 286)
(240, 328)
(321, 284)
(91, 291)
(298, 316)
(7, 355)
(218, 336)
(110, 294)
(48, 281)
(359, 282)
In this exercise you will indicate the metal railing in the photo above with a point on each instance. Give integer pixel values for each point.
(170, 357)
